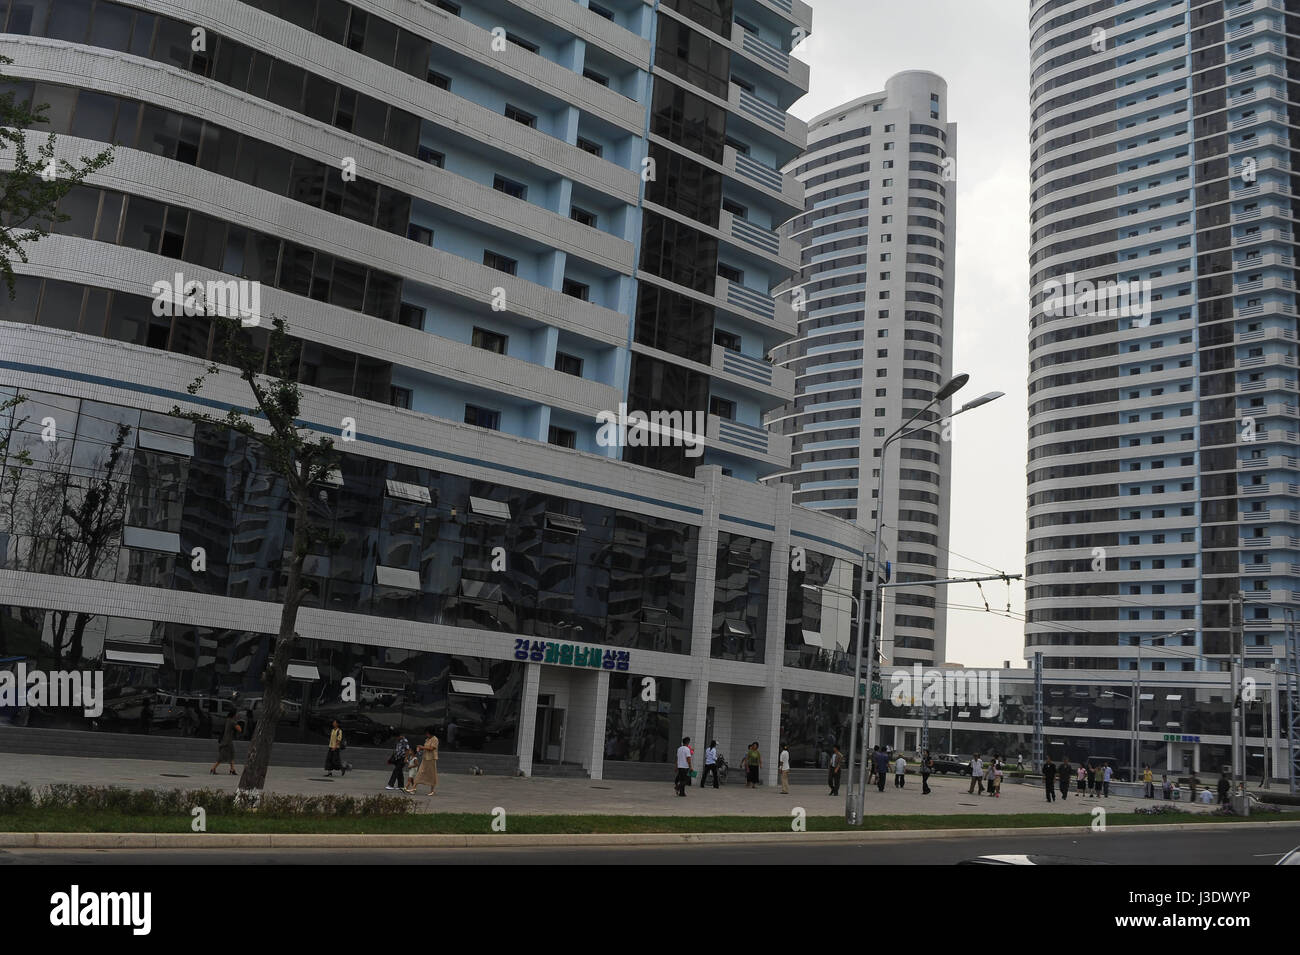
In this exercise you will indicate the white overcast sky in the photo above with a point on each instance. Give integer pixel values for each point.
(981, 47)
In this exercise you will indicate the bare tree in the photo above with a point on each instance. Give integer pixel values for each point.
(30, 192)
(303, 461)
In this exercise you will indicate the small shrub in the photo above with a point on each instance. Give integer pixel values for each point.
(15, 798)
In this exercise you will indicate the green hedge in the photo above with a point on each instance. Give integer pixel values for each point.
(184, 801)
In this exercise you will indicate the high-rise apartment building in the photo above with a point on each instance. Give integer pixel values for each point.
(488, 226)
(875, 334)
(1162, 386)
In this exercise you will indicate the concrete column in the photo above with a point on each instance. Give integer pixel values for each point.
(778, 580)
(600, 706)
(528, 717)
(695, 709)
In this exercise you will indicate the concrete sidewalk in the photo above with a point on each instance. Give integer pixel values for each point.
(552, 796)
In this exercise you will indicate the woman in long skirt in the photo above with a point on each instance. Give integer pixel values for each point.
(428, 773)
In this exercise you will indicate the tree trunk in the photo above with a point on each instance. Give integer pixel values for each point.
(276, 679)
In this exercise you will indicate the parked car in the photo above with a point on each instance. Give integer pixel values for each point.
(951, 763)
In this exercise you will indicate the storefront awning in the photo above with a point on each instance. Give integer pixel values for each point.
(134, 658)
(471, 687)
(486, 508)
(304, 671)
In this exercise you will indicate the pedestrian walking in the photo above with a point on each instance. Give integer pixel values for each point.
(226, 748)
(783, 767)
(871, 766)
(882, 768)
(1049, 779)
(900, 771)
(1148, 784)
(1193, 784)
(1166, 787)
(1224, 786)
(833, 771)
(398, 761)
(412, 769)
(1092, 780)
(1065, 774)
(976, 774)
(1106, 773)
(684, 760)
(997, 777)
(428, 774)
(334, 755)
(710, 763)
(927, 767)
(1081, 777)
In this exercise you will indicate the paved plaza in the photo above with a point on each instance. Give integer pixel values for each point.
(543, 795)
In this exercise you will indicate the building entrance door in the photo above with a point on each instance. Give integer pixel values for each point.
(548, 740)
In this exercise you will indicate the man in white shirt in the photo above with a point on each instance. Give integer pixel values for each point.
(1105, 780)
(900, 771)
(684, 759)
(976, 774)
(783, 764)
(710, 763)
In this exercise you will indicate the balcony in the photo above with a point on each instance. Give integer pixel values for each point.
(768, 245)
(786, 134)
(792, 74)
(748, 441)
(764, 182)
(768, 313)
(755, 375)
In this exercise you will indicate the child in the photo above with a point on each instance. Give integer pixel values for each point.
(412, 767)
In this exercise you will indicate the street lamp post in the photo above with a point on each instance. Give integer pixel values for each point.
(853, 801)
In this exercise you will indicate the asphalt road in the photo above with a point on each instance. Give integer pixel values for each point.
(1231, 846)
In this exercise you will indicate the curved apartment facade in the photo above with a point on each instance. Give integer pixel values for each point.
(875, 333)
(486, 224)
(1162, 425)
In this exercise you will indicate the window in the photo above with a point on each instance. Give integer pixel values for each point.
(722, 408)
(502, 263)
(453, 8)
(511, 188)
(735, 208)
(595, 77)
(577, 290)
(432, 157)
(399, 397)
(419, 234)
(489, 341)
(727, 340)
(582, 216)
(517, 40)
(521, 116)
(587, 146)
(437, 79)
(483, 417)
(730, 274)
(562, 437)
(412, 316)
(601, 11)
(569, 364)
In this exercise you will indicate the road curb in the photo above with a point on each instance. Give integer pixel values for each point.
(199, 840)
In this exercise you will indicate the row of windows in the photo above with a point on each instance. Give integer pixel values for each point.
(127, 122)
(113, 26)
